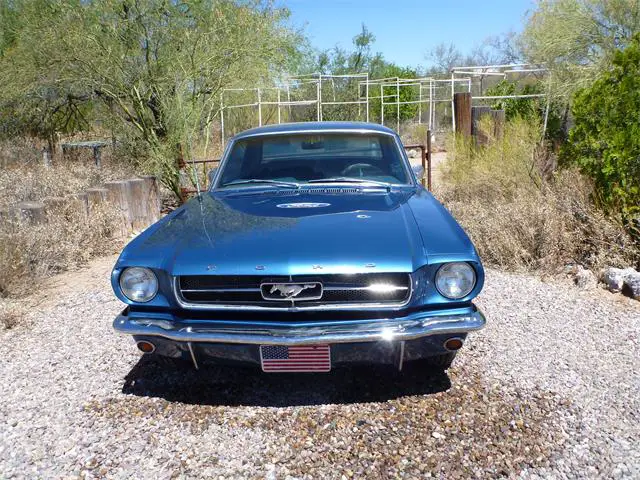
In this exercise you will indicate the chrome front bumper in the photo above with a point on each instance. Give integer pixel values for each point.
(411, 327)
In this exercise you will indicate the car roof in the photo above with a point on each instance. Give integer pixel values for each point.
(300, 127)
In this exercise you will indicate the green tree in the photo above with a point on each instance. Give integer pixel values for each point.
(499, 49)
(33, 99)
(531, 109)
(408, 111)
(362, 59)
(577, 39)
(154, 67)
(605, 140)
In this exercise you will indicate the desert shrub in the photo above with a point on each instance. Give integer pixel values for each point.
(20, 151)
(605, 141)
(20, 183)
(414, 133)
(11, 314)
(68, 240)
(523, 215)
(532, 109)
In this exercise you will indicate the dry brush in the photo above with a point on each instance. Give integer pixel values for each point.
(522, 213)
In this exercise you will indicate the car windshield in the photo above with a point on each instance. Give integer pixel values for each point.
(298, 159)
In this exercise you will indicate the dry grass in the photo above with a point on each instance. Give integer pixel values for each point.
(20, 151)
(68, 239)
(29, 253)
(11, 315)
(523, 215)
(414, 133)
(35, 182)
(23, 177)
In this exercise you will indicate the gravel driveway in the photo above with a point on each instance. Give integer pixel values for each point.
(550, 388)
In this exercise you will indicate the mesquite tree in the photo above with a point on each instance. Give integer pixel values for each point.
(577, 39)
(150, 69)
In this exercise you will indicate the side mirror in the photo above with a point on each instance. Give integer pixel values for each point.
(418, 170)
(211, 175)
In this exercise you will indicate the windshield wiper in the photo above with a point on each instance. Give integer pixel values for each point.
(277, 183)
(350, 180)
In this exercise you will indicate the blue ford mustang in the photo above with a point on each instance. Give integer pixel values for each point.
(314, 246)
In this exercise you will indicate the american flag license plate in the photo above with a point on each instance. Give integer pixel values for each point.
(300, 358)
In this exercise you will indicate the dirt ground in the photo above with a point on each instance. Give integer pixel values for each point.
(547, 390)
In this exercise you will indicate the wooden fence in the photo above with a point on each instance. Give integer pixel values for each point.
(468, 119)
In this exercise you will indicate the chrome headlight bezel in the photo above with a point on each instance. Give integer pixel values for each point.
(456, 280)
(147, 284)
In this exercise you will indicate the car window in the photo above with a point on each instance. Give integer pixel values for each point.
(302, 158)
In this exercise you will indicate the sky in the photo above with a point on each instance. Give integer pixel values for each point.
(406, 30)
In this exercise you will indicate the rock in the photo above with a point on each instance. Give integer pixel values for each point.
(614, 278)
(631, 285)
(584, 278)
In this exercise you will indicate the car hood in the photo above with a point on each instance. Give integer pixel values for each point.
(275, 232)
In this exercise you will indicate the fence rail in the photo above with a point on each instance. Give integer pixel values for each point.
(385, 100)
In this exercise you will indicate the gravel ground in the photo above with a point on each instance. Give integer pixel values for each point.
(549, 389)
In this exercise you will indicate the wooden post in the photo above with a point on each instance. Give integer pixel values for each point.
(152, 199)
(55, 205)
(96, 197)
(477, 113)
(428, 160)
(46, 156)
(119, 198)
(462, 113)
(498, 117)
(80, 203)
(97, 155)
(137, 202)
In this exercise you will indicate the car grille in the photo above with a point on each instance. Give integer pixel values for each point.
(374, 289)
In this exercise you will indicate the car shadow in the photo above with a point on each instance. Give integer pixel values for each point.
(156, 377)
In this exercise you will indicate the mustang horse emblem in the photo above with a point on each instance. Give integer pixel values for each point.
(290, 290)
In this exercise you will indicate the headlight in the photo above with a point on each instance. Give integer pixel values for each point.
(138, 284)
(455, 280)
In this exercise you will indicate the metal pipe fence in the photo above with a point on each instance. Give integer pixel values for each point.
(479, 72)
(357, 97)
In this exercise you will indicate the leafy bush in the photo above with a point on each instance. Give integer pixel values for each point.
(576, 39)
(532, 109)
(605, 141)
(519, 215)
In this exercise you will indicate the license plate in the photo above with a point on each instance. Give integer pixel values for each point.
(299, 358)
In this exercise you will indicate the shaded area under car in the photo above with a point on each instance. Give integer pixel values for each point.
(217, 385)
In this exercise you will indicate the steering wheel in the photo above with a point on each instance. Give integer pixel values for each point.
(359, 169)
